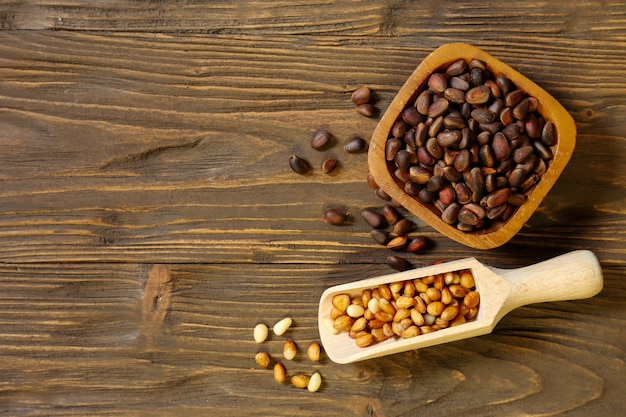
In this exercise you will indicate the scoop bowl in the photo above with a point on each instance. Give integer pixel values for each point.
(572, 276)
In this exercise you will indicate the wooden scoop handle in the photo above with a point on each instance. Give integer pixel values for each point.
(572, 276)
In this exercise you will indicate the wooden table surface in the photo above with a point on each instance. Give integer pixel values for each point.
(149, 218)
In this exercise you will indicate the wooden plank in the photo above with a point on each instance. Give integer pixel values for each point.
(489, 19)
(94, 339)
(176, 147)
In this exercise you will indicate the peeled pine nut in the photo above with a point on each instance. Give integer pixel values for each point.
(315, 382)
(260, 333)
(289, 350)
(280, 374)
(405, 309)
(263, 359)
(282, 326)
(314, 351)
(300, 381)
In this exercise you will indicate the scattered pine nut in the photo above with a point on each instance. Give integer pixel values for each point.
(263, 359)
(300, 380)
(315, 382)
(314, 352)
(280, 374)
(289, 350)
(282, 326)
(260, 333)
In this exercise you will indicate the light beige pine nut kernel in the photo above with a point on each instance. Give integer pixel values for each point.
(355, 310)
(373, 305)
(328, 325)
(282, 326)
(289, 350)
(314, 351)
(315, 382)
(260, 333)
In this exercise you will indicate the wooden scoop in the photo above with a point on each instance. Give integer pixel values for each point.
(571, 276)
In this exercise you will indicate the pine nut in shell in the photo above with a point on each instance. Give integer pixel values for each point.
(484, 108)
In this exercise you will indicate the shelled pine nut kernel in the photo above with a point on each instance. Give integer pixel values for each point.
(405, 309)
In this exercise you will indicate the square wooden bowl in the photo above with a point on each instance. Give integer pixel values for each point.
(497, 233)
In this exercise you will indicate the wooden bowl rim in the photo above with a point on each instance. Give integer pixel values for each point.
(548, 107)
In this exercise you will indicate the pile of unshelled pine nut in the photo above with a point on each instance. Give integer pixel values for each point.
(406, 309)
(263, 358)
(472, 146)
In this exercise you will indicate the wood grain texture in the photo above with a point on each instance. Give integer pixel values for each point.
(88, 343)
(146, 160)
(149, 218)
